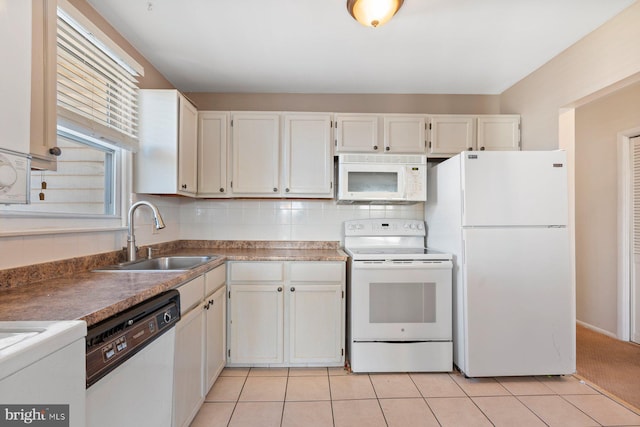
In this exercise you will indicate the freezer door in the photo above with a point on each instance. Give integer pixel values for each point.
(514, 188)
(519, 310)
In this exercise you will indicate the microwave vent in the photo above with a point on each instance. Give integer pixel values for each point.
(384, 158)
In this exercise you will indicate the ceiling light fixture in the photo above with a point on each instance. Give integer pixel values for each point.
(373, 13)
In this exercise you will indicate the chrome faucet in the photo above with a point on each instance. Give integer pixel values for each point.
(131, 239)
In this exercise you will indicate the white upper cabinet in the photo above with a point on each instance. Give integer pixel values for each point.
(451, 134)
(380, 133)
(15, 79)
(357, 133)
(255, 154)
(499, 132)
(43, 84)
(404, 133)
(212, 154)
(307, 155)
(167, 160)
(187, 147)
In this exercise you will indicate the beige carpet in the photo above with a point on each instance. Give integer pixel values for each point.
(610, 364)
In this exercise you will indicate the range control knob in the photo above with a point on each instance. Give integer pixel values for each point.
(420, 226)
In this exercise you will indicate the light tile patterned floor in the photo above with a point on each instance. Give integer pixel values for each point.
(309, 397)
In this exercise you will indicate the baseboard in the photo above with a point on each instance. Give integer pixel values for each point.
(596, 329)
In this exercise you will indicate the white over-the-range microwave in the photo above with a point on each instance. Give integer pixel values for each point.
(382, 178)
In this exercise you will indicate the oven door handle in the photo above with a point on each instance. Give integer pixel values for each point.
(414, 265)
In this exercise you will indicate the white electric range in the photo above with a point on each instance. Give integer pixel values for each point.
(399, 298)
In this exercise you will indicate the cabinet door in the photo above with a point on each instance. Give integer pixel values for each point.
(255, 154)
(315, 323)
(188, 380)
(215, 336)
(15, 83)
(451, 134)
(212, 154)
(404, 134)
(357, 133)
(187, 147)
(499, 132)
(308, 161)
(256, 324)
(43, 84)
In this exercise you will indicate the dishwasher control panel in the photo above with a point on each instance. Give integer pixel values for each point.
(122, 337)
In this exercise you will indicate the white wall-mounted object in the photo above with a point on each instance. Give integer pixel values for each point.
(15, 178)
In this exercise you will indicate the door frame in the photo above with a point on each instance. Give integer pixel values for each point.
(624, 232)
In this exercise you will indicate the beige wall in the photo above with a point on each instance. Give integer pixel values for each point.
(152, 78)
(597, 76)
(597, 126)
(601, 59)
(348, 103)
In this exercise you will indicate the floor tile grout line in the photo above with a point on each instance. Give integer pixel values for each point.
(333, 417)
(284, 398)
(235, 405)
(527, 406)
(562, 396)
(425, 400)
(378, 400)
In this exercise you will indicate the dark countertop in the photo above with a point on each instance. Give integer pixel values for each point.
(95, 296)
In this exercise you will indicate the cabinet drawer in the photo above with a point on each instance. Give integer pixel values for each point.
(256, 271)
(214, 279)
(191, 293)
(317, 271)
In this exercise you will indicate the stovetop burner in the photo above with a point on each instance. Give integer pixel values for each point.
(388, 239)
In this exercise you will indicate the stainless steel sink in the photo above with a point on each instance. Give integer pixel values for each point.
(165, 263)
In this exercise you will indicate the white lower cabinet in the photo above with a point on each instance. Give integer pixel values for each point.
(215, 327)
(286, 313)
(257, 313)
(200, 336)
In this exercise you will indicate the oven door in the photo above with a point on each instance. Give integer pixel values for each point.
(401, 301)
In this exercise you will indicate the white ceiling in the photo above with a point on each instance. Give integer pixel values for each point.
(315, 46)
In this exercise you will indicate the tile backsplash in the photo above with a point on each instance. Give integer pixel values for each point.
(187, 219)
(279, 219)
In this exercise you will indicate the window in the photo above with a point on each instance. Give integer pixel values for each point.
(84, 182)
(97, 123)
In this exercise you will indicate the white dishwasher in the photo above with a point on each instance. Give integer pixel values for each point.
(42, 373)
(130, 365)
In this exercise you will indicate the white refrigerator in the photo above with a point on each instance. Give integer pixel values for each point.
(503, 215)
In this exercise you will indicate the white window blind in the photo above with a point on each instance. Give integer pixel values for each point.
(96, 93)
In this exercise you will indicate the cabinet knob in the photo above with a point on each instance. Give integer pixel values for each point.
(221, 190)
(293, 289)
(481, 148)
(387, 148)
(470, 149)
(375, 147)
(279, 289)
(275, 190)
(55, 151)
(287, 190)
(184, 186)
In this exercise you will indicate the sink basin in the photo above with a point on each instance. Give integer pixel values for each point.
(23, 343)
(11, 337)
(165, 263)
